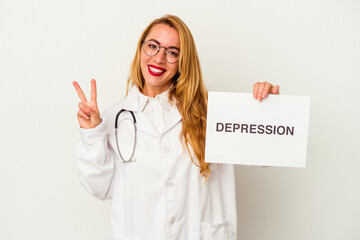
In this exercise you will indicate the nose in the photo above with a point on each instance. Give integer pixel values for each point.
(160, 57)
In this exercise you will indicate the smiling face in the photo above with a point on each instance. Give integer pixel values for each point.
(157, 72)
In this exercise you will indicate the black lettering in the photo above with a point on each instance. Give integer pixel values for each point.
(268, 129)
(227, 127)
(255, 129)
(260, 129)
(236, 126)
(252, 128)
(219, 127)
(244, 127)
(283, 130)
(290, 130)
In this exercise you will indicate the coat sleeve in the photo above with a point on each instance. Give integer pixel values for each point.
(96, 161)
(219, 216)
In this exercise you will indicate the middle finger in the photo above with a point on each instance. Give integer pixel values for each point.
(266, 90)
(261, 89)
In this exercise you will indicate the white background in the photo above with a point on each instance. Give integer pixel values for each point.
(308, 47)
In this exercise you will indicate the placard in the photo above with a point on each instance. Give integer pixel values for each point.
(243, 130)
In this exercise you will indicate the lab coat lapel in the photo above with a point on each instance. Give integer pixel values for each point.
(144, 125)
(132, 103)
(173, 118)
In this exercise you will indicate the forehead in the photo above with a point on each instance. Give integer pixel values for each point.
(167, 36)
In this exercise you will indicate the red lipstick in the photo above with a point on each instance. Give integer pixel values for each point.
(156, 71)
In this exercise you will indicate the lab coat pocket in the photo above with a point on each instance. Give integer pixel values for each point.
(220, 231)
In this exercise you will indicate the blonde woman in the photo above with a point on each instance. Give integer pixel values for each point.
(155, 173)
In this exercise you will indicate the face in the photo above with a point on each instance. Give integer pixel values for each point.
(157, 72)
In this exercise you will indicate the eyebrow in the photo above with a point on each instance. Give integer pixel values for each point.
(167, 47)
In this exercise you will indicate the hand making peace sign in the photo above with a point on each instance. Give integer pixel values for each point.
(88, 114)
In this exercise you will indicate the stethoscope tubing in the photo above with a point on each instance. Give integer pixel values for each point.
(116, 136)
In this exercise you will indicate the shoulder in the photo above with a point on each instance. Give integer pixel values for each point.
(129, 102)
(111, 111)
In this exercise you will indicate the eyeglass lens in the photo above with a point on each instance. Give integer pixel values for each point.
(151, 48)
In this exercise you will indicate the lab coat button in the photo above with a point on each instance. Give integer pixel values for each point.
(171, 220)
(165, 149)
(169, 184)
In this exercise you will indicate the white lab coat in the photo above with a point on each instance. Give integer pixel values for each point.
(161, 195)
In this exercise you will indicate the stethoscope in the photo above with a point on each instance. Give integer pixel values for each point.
(116, 136)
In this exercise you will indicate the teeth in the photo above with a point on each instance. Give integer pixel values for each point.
(156, 70)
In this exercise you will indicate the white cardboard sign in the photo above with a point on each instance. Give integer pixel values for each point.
(242, 130)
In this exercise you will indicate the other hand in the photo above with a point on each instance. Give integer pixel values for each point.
(88, 114)
(262, 89)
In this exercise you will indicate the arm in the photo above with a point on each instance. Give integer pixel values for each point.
(96, 161)
(94, 158)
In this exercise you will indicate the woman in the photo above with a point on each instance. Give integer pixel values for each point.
(166, 190)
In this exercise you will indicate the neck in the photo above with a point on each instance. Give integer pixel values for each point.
(154, 91)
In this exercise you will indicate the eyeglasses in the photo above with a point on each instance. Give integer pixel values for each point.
(151, 48)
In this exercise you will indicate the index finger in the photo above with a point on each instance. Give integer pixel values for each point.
(93, 90)
(79, 92)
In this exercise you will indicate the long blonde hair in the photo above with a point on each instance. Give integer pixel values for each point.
(188, 89)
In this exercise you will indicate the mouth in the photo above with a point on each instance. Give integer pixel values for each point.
(156, 71)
